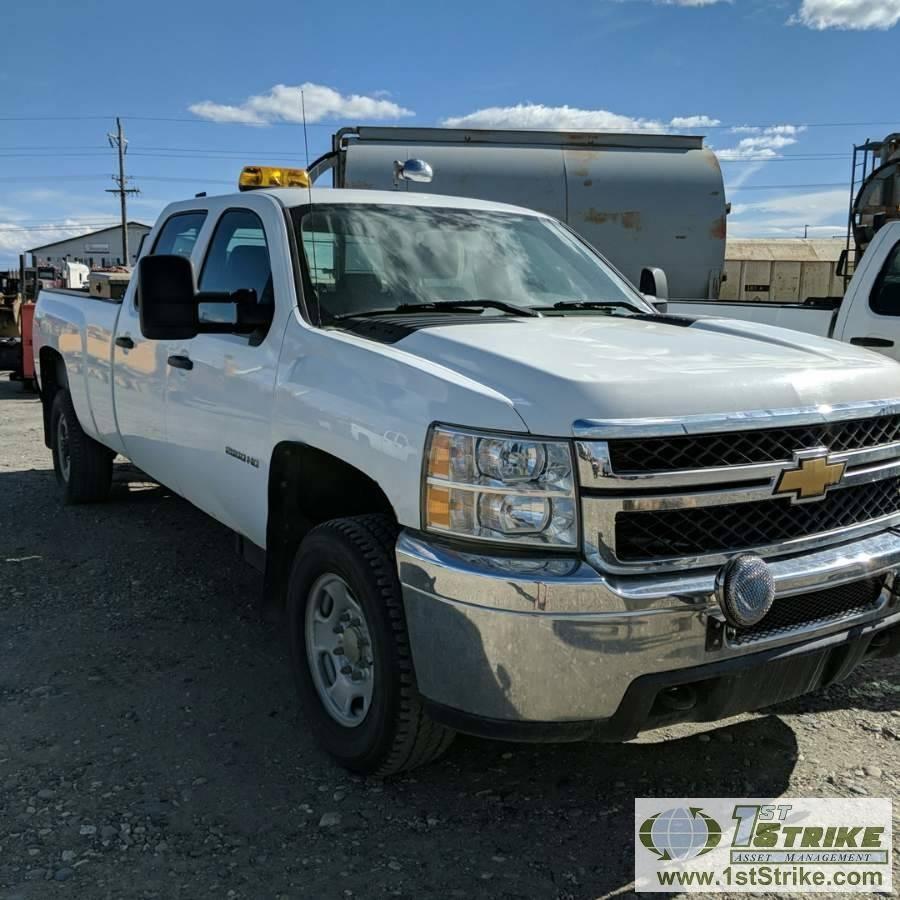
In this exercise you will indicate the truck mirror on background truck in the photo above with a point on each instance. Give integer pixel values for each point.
(170, 307)
(655, 287)
(841, 267)
(412, 170)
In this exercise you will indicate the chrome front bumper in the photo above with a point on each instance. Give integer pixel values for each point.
(519, 639)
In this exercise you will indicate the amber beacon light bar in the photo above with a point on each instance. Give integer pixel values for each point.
(253, 177)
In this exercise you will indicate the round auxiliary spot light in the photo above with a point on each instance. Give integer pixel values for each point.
(745, 590)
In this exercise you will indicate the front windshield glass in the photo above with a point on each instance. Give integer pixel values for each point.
(362, 258)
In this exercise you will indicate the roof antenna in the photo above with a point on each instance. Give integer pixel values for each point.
(309, 190)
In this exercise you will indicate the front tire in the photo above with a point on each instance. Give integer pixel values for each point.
(350, 650)
(83, 467)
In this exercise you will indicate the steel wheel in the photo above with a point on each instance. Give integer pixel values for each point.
(339, 650)
(63, 450)
(350, 650)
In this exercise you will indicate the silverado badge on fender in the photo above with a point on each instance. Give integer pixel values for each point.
(810, 477)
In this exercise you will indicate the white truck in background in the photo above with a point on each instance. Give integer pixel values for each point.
(495, 491)
(867, 316)
(74, 275)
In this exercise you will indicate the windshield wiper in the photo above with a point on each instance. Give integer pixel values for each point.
(593, 304)
(442, 306)
(438, 305)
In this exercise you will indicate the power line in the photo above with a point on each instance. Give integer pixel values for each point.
(271, 151)
(62, 226)
(202, 179)
(791, 187)
(194, 180)
(334, 125)
(81, 219)
(227, 156)
(40, 179)
(53, 118)
(52, 147)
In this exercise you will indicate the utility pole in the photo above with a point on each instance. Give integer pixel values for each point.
(118, 142)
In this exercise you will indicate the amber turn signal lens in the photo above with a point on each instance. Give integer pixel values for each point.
(439, 461)
(437, 507)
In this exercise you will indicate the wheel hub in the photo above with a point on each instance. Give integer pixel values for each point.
(339, 650)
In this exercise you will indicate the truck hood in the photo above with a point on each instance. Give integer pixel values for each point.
(557, 370)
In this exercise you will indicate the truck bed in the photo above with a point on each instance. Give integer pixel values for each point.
(812, 317)
(81, 328)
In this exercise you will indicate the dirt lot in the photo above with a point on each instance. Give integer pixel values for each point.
(150, 744)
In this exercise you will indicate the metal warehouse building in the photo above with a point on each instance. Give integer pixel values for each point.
(97, 249)
(782, 268)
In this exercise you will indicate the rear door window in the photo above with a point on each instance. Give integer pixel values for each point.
(179, 234)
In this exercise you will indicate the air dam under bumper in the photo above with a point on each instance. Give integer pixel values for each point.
(550, 649)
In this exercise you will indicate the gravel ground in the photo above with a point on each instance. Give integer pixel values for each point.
(150, 743)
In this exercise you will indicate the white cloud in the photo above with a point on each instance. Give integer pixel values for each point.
(787, 214)
(15, 238)
(283, 103)
(805, 203)
(689, 2)
(693, 122)
(768, 129)
(851, 15)
(762, 143)
(569, 118)
(744, 173)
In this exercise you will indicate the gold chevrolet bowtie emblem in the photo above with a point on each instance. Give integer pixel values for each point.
(810, 477)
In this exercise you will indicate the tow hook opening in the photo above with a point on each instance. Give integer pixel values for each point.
(680, 698)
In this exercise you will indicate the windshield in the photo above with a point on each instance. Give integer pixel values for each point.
(362, 258)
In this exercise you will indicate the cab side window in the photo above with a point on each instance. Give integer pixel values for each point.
(885, 296)
(237, 259)
(179, 234)
(176, 238)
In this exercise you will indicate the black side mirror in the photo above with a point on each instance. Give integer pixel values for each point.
(168, 307)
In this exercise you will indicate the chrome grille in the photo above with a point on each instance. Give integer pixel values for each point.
(695, 531)
(669, 494)
(746, 448)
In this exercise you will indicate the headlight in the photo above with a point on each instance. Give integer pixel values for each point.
(498, 488)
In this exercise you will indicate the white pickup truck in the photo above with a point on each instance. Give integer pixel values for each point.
(497, 492)
(867, 316)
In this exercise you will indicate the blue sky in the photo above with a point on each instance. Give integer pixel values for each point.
(781, 89)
